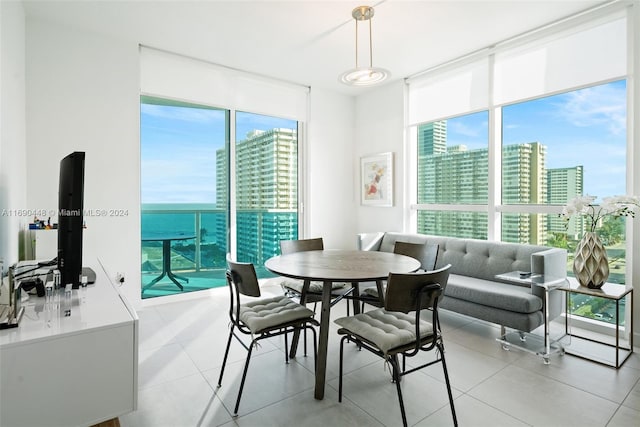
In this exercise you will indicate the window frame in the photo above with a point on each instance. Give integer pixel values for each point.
(231, 163)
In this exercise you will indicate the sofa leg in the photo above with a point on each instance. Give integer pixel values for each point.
(523, 337)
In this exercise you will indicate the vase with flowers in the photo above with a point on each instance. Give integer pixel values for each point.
(590, 264)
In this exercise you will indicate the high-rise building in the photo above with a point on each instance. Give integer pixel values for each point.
(453, 175)
(220, 218)
(456, 175)
(563, 185)
(266, 192)
(432, 138)
(524, 181)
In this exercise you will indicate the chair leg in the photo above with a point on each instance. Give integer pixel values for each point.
(340, 374)
(226, 353)
(396, 378)
(286, 347)
(304, 336)
(315, 305)
(244, 377)
(446, 378)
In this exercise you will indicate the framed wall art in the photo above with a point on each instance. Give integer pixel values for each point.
(376, 173)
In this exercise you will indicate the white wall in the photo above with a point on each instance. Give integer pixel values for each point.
(330, 198)
(12, 129)
(379, 129)
(83, 95)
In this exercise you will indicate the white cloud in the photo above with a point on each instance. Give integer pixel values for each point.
(194, 115)
(463, 129)
(595, 106)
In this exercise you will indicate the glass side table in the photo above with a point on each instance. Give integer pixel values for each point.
(543, 346)
(581, 344)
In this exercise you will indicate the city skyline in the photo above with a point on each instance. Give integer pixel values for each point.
(178, 149)
(178, 144)
(593, 119)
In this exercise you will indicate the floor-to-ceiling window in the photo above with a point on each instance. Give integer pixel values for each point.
(184, 201)
(453, 170)
(554, 110)
(266, 160)
(553, 149)
(185, 190)
(559, 147)
(219, 170)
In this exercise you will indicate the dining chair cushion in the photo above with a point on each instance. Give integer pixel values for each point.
(387, 330)
(260, 315)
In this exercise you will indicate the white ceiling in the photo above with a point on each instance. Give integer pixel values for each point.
(310, 42)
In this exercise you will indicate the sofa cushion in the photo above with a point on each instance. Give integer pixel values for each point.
(492, 294)
(526, 322)
(483, 259)
(471, 257)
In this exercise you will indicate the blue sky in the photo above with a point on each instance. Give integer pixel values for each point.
(585, 127)
(178, 150)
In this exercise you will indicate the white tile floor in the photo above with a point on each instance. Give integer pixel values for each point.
(182, 345)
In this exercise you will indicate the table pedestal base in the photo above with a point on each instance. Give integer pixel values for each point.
(166, 268)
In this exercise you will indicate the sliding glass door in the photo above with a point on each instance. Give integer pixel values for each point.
(184, 202)
(266, 161)
(190, 204)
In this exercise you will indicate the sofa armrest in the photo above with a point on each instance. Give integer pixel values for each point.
(551, 263)
(369, 241)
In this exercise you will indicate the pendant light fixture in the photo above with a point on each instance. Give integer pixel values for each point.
(364, 76)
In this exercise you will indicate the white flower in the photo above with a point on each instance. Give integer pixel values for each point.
(614, 206)
(619, 205)
(578, 205)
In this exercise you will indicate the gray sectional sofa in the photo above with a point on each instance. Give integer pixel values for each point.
(474, 291)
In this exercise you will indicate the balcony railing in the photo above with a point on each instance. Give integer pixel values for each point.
(204, 221)
(208, 224)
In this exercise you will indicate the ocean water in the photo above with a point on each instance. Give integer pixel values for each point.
(184, 223)
(259, 232)
(212, 248)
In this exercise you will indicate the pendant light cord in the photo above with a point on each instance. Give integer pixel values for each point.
(370, 45)
(356, 43)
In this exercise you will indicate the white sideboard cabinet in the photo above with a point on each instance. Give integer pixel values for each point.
(76, 370)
